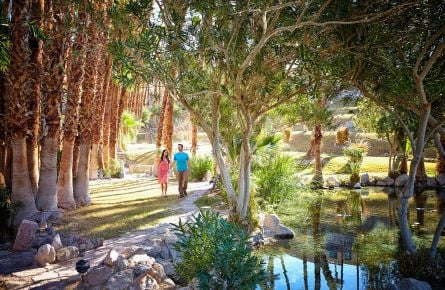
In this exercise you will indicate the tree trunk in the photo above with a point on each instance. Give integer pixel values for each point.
(245, 159)
(159, 136)
(81, 186)
(440, 163)
(3, 146)
(194, 136)
(21, 183)
(65, 194)
(76, 154)
(113, 122)
(105, 122)
(421, 177)
(93, 161)
(36, 69)
(316, 141)
(46, 198)
(167, 131)
(439, 229)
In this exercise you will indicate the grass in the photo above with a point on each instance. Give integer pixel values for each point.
(208, 200)
(118, 208)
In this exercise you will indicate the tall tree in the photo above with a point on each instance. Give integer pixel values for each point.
(160, 134)
(55, 49)
(167, 130)
(16, 98)
(65, 193)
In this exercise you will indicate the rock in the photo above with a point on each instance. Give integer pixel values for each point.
(98, 275)
(67, 253)
(380, 183)
(82, 247)
(412, 284)
(141, 259)
(157, 272)
(169, 268)
(98, 242)
(364, 179)
(120, 281)
(43, 223)
(283, 233)
(401, 180)
(144, 282)
(431, 182)
(111, 258)
(389, 181)
(90, 245)
(26, 235)
(141, 269)
(167, 284)
(271, 222)
(440, 179)
(57, 242)
(45, 255)
(357, 185)
(131, 251)
(121, 263)
(170, 238)
(17, 261)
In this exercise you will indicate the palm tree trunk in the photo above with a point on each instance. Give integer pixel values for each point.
(81, 186)
(36, 46)
(167, 130)
(113, 122)
(107, 121)
(105, 106)
(159, 136)
(46, 198)
(123, 103)
(76, 153)
(194, 136)
(316, 141)
(3, 146)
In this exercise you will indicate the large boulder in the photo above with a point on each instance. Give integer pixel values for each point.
(364, 179)
(273, 228)
(440, 179)
(57, 242)
(271, 222)
(45, 255)
(26, 235)
(111, 258)
(121, 263)
(120, 281)
(284, 233)
(67, 253)
(98, 275)
(401, 180)
(141, 259)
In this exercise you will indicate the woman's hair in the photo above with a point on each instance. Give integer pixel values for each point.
(162, 155)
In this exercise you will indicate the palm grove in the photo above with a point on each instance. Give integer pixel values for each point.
(229, 64)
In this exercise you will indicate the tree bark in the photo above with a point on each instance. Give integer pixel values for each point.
(76, 154)
(437, 234)
(21, 183)
(317, 136)
(65, 192)
(46, 198)
(113, 122)
(36, 69)
(81, 186)
(167, 131)
(159, 136)
(440, 163)
(194, 136)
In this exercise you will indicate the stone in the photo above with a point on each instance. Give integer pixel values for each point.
(170, 238)
(67, 253)
(45, 255)
(169, 268)
(157, 272)
(141, 259)
(284, 232)
(141, 269)
(120, 281)
(440, 179)
(90, 245)
(413, 284)
(98, 242)
(401, 180)
(271, 222)
(388, 180)
(357, 185)
(26, 235)
(82, 247)
(145, 282)
(131, 251)
(17, 261)
(380, 183)
(364, 179)
(98, 275)
(167, 284)
(43, 223)
(57, 242)
(121, 263)
(111, 258)
(45, 276)
(331, 181)
(431, 182)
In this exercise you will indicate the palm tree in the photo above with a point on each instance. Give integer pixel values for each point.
(167, 131)
(36, 45)
(159, 136)
(46, 198)
(114, 110)
(17, 107)
(65, 193)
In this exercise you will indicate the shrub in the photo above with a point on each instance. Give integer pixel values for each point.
(113, 168)
(274, 179)
(355, 153)
(217, 253)
(199, 167)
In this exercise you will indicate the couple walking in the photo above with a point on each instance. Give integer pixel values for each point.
(181, 160)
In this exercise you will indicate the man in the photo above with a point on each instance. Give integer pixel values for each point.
(182, 161)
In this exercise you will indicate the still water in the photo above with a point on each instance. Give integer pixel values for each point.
(346, 239)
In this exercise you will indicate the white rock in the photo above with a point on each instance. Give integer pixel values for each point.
(357, 185)
(67, 253)
(132, 250)
(111, 258)
(45, 255)
(57, 242)
(141, 259)
(98, 275)
(401, 180)
(271, 222)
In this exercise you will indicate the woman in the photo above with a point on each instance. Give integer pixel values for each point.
(163, 168)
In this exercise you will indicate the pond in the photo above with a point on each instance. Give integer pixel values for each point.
(346, 239)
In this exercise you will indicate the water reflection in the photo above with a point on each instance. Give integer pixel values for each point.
(346, 239)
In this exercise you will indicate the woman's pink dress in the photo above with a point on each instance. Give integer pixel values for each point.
(163, 171)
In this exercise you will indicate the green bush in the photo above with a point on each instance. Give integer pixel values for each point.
(113, 168)
(274, 179)
(217, 253)
(199, 167)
